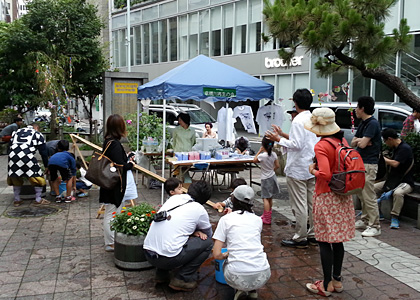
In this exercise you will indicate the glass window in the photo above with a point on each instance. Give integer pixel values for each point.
(270, 45)
(194, 4)
(343, 118)
(115, 52)
(123, 48)
(167, 9)
(391, 119)
(301, 81)
(173, 38)
(383, 93)
(216, 34)
(132, 46)
(182, 5)
(240, 30)
(155, 42)
(361, 86)
(163, 28)
(135, 17)
(200, 116)
(137, 44)
(339, 78)
(228, 29)
(254, 25)
(183, 38)
(193, 35)
(411, 9)
(204, 32)
(118, 22)
(150, 13)
(146, 44)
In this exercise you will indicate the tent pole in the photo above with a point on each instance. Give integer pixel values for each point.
(163, 148)
(137, 138)
(227, 122)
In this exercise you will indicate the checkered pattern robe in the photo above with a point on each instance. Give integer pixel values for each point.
(22, 160)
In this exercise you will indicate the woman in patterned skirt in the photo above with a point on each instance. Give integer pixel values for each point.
(333, 214)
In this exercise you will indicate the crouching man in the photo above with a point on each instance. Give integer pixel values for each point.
(181, 239)
(400, 176)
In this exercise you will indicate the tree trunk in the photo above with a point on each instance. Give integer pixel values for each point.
(53, 125)
(395, 84)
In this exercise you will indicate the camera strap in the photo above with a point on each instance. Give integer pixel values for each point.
(180, 205)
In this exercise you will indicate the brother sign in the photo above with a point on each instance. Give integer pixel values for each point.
(278, 62)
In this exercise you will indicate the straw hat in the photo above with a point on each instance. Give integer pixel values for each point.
(322, 122)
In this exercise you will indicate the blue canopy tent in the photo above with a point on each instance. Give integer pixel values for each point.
(203, 78)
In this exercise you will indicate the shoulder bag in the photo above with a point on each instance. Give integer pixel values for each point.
(103, 171)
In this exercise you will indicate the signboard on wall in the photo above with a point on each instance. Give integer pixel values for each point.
(125, 88)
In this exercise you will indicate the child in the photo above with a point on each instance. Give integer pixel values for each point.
(269, 185)
(63, 162)
(246, 268)
(173, 186)
(82, 184)
(227, 204)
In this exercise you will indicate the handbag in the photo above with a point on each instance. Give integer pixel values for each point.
(103, 171)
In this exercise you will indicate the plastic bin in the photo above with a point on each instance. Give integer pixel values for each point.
(62, 189)
(220, 277)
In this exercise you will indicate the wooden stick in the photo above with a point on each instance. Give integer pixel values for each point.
(137, 167)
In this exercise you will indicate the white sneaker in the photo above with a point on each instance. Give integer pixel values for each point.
(371, 231)
(360, 224)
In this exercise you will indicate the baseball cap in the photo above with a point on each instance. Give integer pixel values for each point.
(244, 194)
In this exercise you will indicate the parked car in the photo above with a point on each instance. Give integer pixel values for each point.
(198, 116)
(389, 115)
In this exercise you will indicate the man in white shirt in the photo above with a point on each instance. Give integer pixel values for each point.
(181, 241)
(300, 183)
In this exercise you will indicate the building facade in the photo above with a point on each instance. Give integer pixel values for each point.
(164, 34)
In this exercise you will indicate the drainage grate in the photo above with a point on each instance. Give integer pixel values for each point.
(31, 212)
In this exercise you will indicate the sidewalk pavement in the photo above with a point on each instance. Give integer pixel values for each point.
(61, 256)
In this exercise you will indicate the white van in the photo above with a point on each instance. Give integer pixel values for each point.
(389, 115)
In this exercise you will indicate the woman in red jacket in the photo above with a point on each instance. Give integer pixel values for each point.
(333, 214)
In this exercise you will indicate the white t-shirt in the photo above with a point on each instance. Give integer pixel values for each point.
(268, 115)
(225, 124)
(242, 235)
(168, 237)
(244, 112)
(267, 164)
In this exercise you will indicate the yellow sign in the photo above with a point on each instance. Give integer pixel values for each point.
(125, 88)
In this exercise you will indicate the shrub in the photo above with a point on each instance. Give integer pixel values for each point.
(135, 220)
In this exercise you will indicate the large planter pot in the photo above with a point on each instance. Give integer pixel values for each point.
(128, 252)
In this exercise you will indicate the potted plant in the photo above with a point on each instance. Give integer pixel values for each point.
(130, 227)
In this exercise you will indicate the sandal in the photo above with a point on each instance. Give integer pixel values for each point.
(42, 202)
(319, 288)
(337, 289)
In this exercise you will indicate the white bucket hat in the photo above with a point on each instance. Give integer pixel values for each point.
(322, 122)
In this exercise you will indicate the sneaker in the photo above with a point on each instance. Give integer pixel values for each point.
(240, 294)
(17, 203)
(371, 231)
(294, 244)
(395, 223)
(109, 248)
(181, 285)
(42, 202)
(69, 199)
(360, 224)
(81, 195)
(58, 199)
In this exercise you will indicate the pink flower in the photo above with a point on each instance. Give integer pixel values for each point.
(129, 122)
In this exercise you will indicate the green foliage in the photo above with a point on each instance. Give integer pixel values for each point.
(135, 220)
(344, 34)
(36, 50)
(149, 126)
(8, 115)
(123, 3)
(413, 139)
